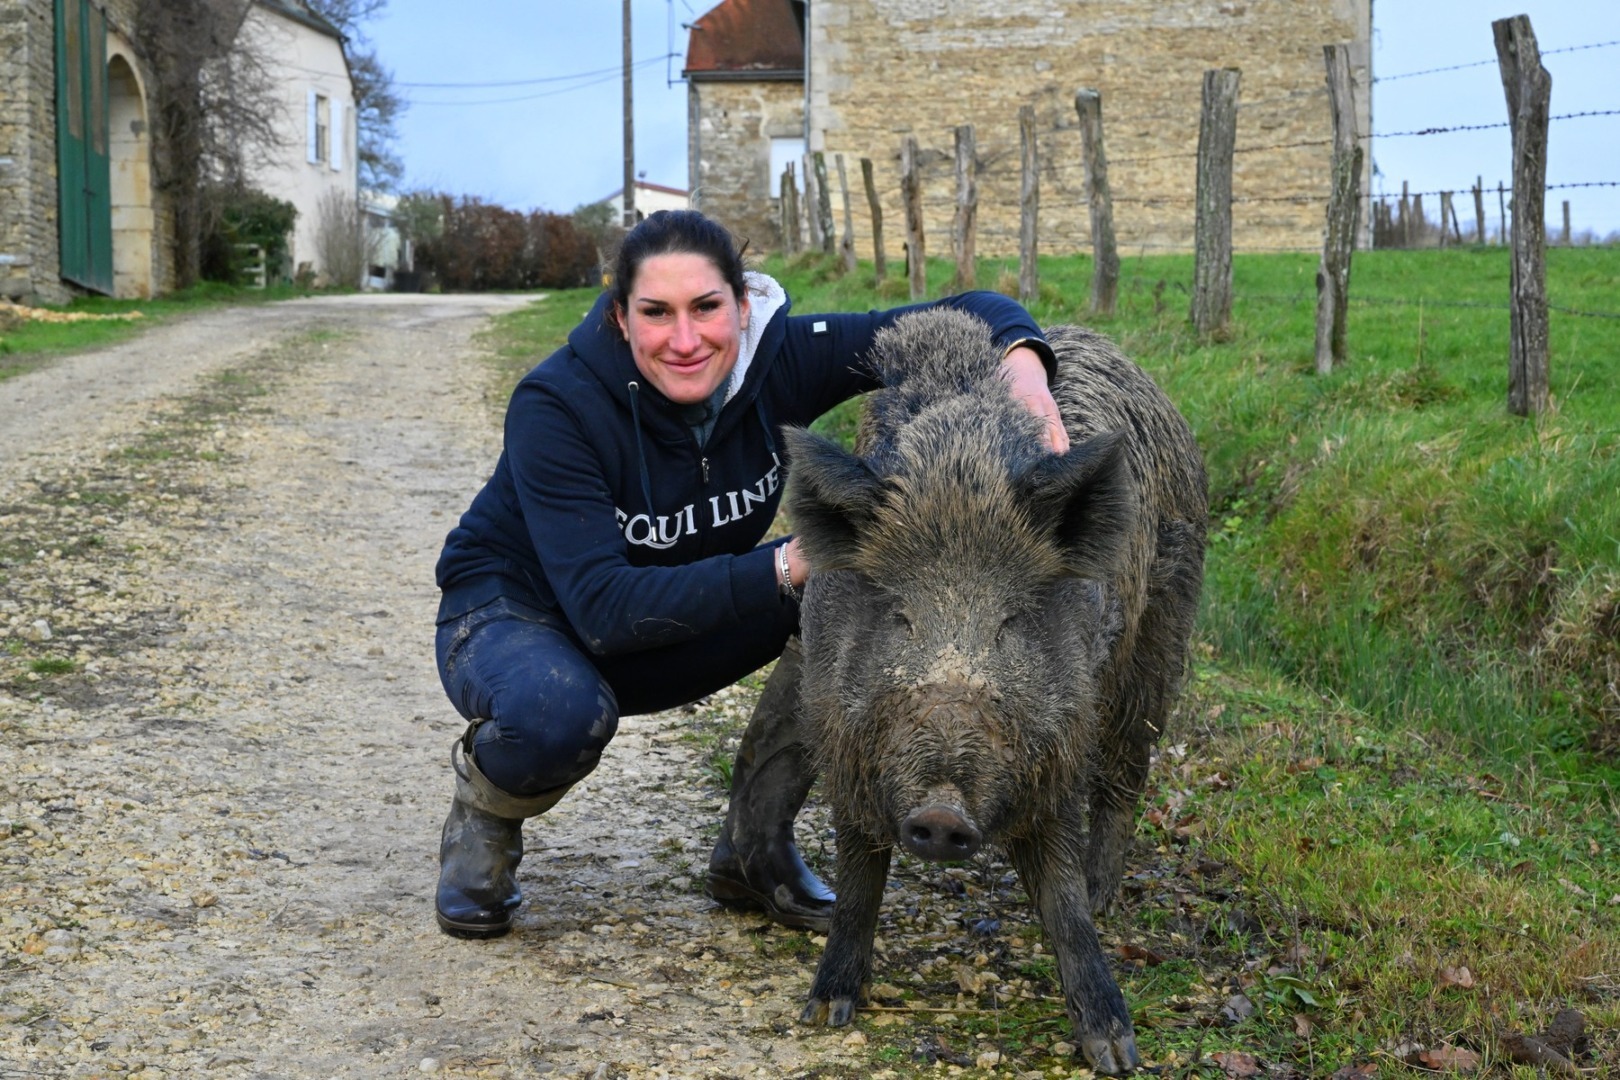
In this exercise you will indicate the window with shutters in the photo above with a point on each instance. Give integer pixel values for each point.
(323, 128)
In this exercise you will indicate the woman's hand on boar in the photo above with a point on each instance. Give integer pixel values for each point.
(1026, 374)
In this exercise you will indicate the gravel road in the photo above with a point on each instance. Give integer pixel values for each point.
(225, 746)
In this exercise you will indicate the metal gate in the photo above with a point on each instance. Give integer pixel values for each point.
(83, 168)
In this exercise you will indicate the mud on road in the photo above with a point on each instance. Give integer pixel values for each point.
(225, 750)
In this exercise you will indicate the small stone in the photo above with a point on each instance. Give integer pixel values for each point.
(430, 1065)
(40, 631)
(1062, 1049)
(855, 1038)
(989, 1059)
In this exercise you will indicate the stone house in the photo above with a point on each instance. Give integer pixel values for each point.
(877, 71)
(314, 164)
(745, 111)
(77, 209)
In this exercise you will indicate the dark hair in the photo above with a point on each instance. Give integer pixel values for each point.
(676, 232)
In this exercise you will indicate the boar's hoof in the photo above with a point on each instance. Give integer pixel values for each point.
(1111, 1055)
(940, 834)
(835, 1013)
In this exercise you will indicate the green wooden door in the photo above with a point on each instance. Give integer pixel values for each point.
(83, 169)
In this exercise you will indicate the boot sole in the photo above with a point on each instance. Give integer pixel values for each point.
(472, 931)
(733, 895)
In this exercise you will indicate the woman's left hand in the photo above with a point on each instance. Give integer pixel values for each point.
(1023, 369)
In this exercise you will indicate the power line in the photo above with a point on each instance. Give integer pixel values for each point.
(609, 76)
(526, 82)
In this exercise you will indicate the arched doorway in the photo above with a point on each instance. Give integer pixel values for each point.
(129, 147)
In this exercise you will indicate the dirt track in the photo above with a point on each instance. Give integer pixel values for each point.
(225, 745)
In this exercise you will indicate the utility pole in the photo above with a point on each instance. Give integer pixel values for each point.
(629, 131)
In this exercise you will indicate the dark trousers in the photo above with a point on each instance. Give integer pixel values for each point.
(550, 707)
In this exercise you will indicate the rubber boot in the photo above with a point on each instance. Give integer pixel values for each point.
(756, 866)
(480, 849)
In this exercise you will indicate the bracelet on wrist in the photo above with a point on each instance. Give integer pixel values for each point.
(785, 576)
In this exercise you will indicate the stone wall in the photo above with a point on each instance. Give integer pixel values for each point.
(734, 123)
(28, 240)
(30, 266)
(881, 70)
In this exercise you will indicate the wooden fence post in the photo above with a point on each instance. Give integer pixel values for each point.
(1568, 239)
(1403, 222)
(1104, 250)
(963, 240)
(1217, 138)
(846, 246)
(1445, 216)
(1479, 209)
(911, 192)
(812, 220)
(880, 261)
(1501, 207)
(1528, 87)
(1029, 199)
(823, 205)
(790, 212)
(1344, 205)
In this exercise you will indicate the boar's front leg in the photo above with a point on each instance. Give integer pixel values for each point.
(846, 962)
(1048, 863)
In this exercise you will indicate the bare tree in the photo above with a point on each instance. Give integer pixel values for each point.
(216, 110)
(344, 246)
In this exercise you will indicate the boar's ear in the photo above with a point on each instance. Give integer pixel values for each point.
(832, 497)
(1087, 498)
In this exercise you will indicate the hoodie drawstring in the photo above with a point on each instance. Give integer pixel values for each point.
(641, 453)
(770, 443)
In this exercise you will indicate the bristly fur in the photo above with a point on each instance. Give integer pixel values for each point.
(994, 634)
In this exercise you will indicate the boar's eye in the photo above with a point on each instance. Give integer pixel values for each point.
(901, 620)
(1012, 628)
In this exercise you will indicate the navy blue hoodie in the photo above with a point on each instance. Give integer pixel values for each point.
(605, 511)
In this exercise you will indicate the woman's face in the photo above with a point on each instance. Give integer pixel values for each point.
(684, 326)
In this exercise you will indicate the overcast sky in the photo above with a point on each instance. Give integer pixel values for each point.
(557, 143)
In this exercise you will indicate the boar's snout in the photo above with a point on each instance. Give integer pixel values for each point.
(940, 833)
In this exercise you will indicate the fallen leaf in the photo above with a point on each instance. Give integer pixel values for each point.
(1445, 1058)
(1303, 1026)
(1460, 977)
(1236, 1063)
(1137, 952)
(1237, 1009)
(1356, 1072)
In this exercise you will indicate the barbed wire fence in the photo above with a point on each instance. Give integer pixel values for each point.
(936, 185)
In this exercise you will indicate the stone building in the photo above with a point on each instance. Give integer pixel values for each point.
(745, 111)
(877, 71)
(77, 209)
(313, 161)
(79, 212)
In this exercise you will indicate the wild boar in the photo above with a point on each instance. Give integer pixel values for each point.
(994, 636)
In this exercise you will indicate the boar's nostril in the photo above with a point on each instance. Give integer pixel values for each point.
(939, 833)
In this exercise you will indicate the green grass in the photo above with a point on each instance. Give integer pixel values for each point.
(1403, 745)
(32, 344)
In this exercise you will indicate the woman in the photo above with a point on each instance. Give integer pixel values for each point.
(612, 564)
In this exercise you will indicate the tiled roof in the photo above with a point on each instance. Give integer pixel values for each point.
(740, 37)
